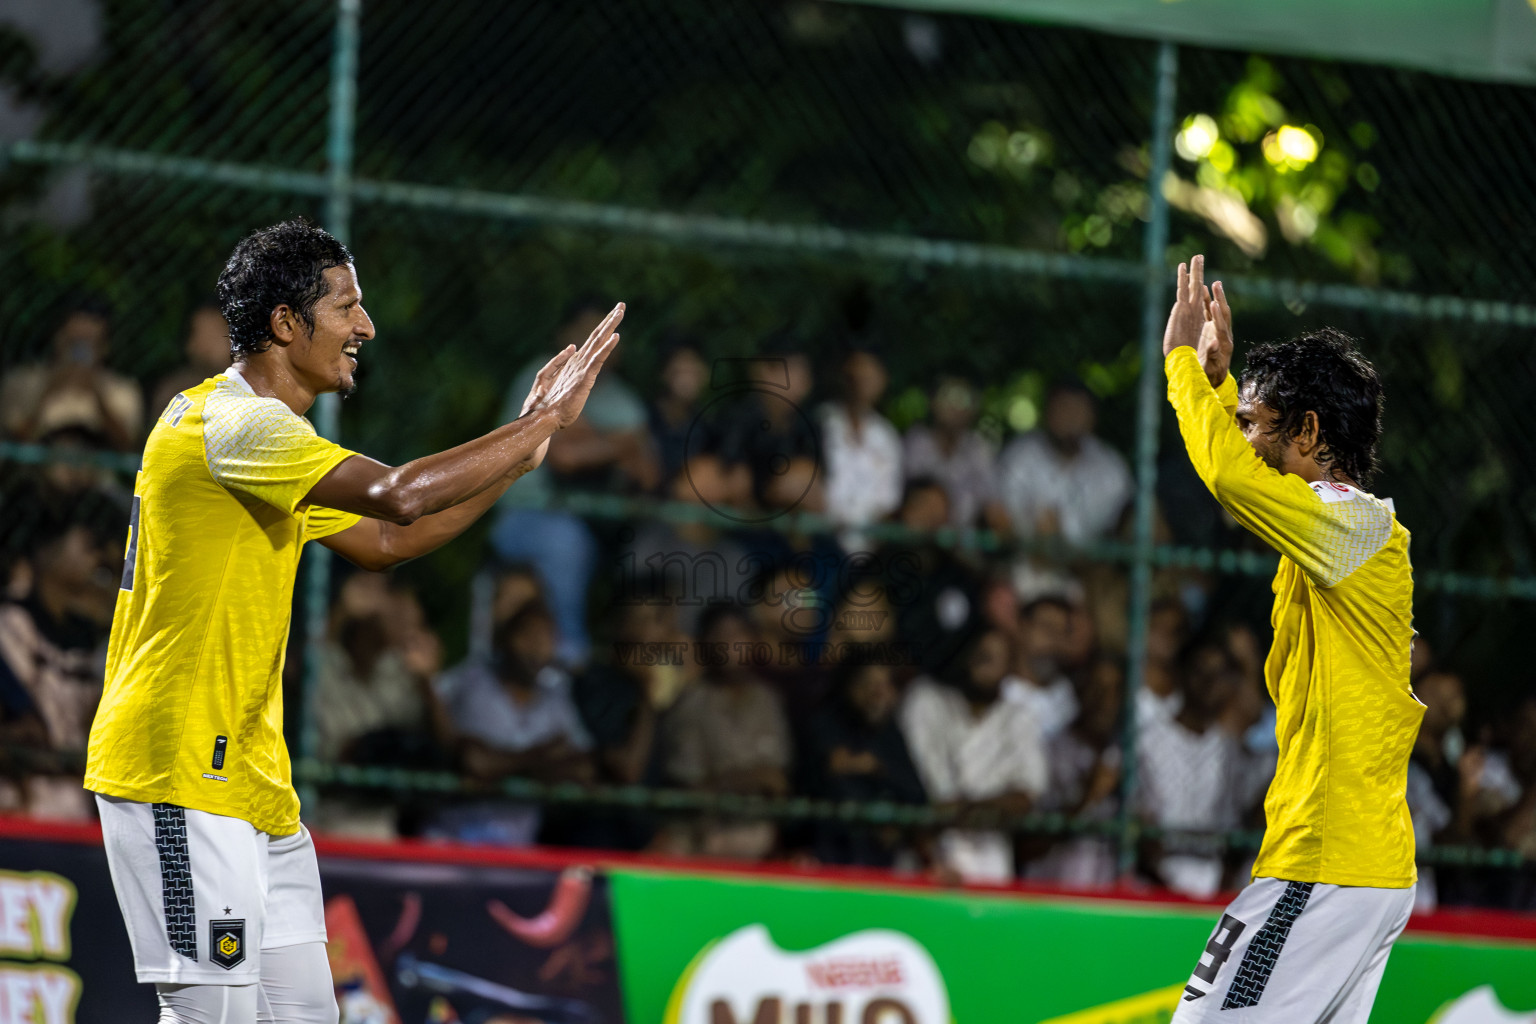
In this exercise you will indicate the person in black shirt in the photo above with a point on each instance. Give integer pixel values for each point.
(855, 751)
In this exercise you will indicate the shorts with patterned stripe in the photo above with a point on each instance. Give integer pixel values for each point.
(203, 894)
(1296, 952)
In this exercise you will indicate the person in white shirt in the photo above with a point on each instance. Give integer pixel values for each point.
(1038, 683)
(861, 448)
(971, 747)
(1191, 774)
(1085, 783)
(1061, 480)
(953, 453)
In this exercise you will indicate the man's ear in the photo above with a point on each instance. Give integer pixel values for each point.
(1308, 438)
(285, 325)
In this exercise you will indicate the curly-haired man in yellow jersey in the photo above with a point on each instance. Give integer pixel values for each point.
(1286, 450)
(216, 877)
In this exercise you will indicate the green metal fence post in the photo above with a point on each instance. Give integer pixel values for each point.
(338, 221)
(1149, 402)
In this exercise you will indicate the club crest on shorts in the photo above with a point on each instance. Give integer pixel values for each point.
(226, 942)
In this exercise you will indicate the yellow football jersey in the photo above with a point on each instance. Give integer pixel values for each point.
(192, 710)
(1337, 810)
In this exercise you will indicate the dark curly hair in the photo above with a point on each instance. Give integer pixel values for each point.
(1323, 372)
(283, 265)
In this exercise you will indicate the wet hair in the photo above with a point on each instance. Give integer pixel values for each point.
(283, 265)
(1322, 372)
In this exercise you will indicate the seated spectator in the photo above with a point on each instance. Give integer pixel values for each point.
(955, 455)
(607, 449)
(1085, 760)
(374, 702)
(69, 469)
(513, 718)
(1444, 777)
(854, 750)
(207, 352)
(74, 389)
(765, 452)
(1160, 696)
(1191, 775)
(727, 734)
(622, 700)
(1061, 480)
(52, 648)
(674, 413)
(1039, 683)
(934, 593)
(496, 594)
(1514, 825)
(973, 748)
(861, 448)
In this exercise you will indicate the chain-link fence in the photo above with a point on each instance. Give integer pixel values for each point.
(965, 197)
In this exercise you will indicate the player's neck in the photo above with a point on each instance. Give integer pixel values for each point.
(270, 376)
(1314, 472)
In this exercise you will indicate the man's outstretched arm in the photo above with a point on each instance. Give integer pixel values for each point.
(412, 509)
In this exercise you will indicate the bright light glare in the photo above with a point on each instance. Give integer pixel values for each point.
(1296, 144)
(1197, 137)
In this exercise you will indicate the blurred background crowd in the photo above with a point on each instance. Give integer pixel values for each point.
(873, 614)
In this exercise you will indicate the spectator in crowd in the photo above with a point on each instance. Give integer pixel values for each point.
(854, 750)
(766, 450)
(374, 702)
(1160, 696)
(74, 389)
(608, 448)
(1514, 824)
(675, 413)
(52, 651)
(1061, 480)
(862, 449)
(497, 593)
(956, 456)
(1444, 778)
(1039, 682)
(207, 352)
(622, 700)
(974, 749)
(1085, 760)
(934, 593)
(727, 734)
(514, 718)
(1191, 774)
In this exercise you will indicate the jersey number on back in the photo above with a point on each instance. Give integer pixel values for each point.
(131, 558)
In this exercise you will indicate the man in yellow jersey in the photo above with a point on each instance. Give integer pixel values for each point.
(1286, 450)
(216, 877)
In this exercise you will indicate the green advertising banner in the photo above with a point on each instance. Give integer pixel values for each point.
(720, 950)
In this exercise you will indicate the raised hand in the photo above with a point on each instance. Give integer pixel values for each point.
(576, 372)
(1187, 318)
(1216, 336)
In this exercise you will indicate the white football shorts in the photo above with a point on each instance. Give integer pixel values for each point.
(1296, 953)
(203, 894)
